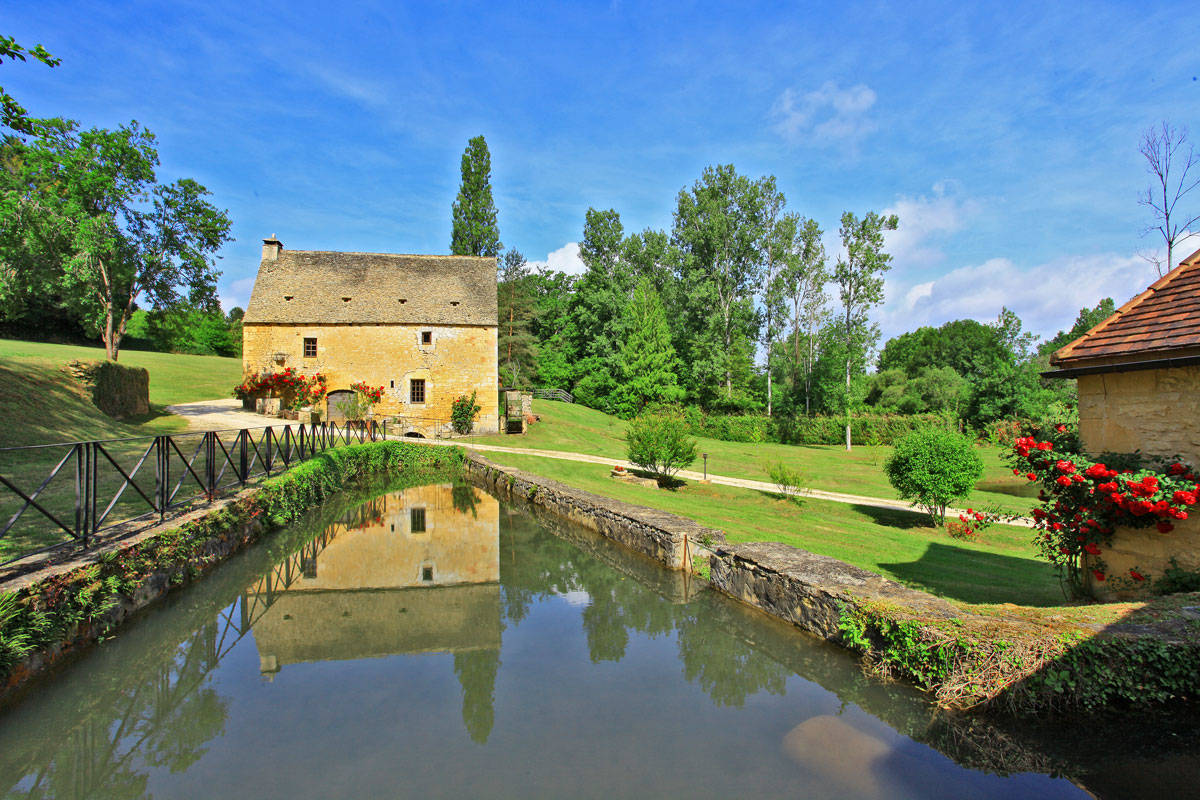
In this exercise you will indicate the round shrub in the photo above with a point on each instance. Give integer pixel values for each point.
(933, 467)
(658, 442)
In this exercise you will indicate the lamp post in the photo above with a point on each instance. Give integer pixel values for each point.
(705, 465)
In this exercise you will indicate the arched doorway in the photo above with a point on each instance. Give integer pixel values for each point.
(337, 403)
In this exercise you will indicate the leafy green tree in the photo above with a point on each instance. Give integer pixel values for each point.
(718, 230)
(803, 280)
(103, 229)
(859, 277)
(475, 231)
(934, 467)
(970, 348)
(515, 341)
(657, 441)
(12, 114)
(598, 321)
(648, 365)
(779, 230)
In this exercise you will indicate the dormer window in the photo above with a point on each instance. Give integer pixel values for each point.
(403, 300)
(288, 297)
(453, 302)
(345, 299)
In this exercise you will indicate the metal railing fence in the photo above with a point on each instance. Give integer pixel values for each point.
(74, 491)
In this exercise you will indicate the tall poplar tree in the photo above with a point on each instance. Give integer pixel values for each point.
(778, 231)
(859, 276)
(804, 278)
(475, 231)
(647, 366)
(718, 230)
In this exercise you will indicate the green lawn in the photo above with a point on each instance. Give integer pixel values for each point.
(1000, 568)
(575, 428)
(173, 378)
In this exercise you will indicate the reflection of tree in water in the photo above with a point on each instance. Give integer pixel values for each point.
(163, 721)
(476, 671)
(727, 668)
(535, 564)
(465, 498)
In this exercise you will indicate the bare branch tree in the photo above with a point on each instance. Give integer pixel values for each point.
(1169, 158)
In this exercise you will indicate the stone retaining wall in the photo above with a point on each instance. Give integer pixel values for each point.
(809, 590)
(668, 539)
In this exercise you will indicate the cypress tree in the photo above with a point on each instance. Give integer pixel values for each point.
(475, 230)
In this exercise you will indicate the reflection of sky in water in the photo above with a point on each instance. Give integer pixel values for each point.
(475, 680)
(576, 598)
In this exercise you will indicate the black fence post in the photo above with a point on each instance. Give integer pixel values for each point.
(270, 457)
(243, 456)
(80, 483)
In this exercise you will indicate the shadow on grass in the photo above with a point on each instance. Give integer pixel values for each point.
(976, 576)
(895, 517)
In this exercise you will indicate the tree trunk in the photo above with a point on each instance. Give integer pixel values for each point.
(768, 382)
(848, 357)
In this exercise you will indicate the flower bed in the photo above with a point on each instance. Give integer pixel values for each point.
(295, 389)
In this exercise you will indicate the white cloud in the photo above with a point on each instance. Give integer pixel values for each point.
(564, 259)
(1047, 297)
(236, 293)
(351, 87)
(825, 115)
(923, 221)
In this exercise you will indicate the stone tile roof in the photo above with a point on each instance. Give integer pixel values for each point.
(1161, 322)
(319, 286)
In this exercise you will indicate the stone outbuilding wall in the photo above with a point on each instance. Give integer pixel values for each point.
(1156, 411)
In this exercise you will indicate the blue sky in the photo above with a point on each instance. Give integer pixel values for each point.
(1004, 135)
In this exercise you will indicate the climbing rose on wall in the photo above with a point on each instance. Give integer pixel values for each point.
(1085, 501)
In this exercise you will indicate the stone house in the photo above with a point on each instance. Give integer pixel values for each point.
(1138, 374)
(422, 327)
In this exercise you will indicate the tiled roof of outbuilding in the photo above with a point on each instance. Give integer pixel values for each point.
(319, 286)
(1160, 322)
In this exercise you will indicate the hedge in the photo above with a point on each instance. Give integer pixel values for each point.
(865, 429)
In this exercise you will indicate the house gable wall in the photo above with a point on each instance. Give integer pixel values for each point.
(461, 359)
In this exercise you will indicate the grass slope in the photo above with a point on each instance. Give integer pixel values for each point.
(1000, 568)
(174, 378)
(575, 428)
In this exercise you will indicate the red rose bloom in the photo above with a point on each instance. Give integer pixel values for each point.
(1091, 548)
(1031, 476)
(1062, 480)
(1098, 574)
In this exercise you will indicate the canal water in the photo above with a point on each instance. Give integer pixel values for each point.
(436, 642)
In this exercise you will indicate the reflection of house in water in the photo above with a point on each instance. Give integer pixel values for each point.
(405, 573)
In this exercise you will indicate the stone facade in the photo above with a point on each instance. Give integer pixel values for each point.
(1155, 411)
(460, 360)
(422, 327)
(1152, 410)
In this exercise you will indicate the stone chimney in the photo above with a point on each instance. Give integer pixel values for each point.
(271, 248)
